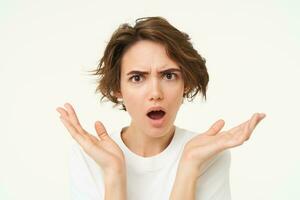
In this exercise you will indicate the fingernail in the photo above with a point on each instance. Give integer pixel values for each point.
(262, 115)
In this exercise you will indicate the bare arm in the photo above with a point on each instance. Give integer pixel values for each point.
(103, 150)
(184, 186)
(202, 148)
(115, 188)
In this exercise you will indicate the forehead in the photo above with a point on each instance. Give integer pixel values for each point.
(146, 55)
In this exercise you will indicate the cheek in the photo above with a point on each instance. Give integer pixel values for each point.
(174, 98)
(133, 100)
(176, 93)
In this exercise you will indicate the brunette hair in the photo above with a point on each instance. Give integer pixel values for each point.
(157, 29)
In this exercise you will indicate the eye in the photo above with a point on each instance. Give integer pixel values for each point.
(135, 78)
(170, 75)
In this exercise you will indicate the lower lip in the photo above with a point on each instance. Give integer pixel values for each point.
(157, 122)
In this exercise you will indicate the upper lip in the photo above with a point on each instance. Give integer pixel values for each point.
(155, 108)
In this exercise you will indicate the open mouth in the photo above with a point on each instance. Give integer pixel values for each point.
(156, 114)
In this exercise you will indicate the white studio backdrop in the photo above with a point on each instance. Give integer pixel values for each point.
(252, 52)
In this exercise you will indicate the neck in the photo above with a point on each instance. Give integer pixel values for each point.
(143, 144)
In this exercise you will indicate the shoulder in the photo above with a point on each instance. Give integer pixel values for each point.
(220, 163)
(214, 182)
(184, 134)
(76, 153)
(80, 159)
(80, 162)
(84, 174)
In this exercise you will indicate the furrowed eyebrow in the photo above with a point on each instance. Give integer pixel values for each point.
(162, 72)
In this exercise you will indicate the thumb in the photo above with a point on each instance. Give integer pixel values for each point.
(216, 127)
(101, 131)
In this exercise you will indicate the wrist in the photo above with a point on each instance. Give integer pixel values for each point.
(187, 174)
(184, 186)
(115, 179)
(188, 171)
(115, 187)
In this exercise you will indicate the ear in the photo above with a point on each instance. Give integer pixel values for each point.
(118, 95)
(185, 90)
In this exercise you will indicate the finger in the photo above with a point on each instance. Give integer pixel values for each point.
(65, 115)
(85, 140)
(238, 127)
(242, 132)
(242, 126)
(262, 115)
(236, 135)
(73, 117)
(101, 131)
(74, 133)
(247, 131)
(257, 117)
(215, 128)
(63, 112)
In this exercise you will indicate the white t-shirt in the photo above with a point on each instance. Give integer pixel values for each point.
(149, 178)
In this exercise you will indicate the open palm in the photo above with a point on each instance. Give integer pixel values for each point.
(103, 150)
(206, 145)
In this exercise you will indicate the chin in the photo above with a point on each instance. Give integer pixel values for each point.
(157, 132)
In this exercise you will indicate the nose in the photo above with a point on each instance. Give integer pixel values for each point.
(155, 91)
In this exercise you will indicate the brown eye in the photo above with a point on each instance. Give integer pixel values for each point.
(135, 78)
(170, 76)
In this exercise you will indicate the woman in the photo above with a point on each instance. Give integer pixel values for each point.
(149, 69)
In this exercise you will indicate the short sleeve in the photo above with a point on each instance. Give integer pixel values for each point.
(85, 176)
(214, 183)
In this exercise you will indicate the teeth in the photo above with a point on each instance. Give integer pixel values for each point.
(155, 110)
(157, 116)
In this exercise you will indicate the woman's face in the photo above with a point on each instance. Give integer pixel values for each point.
(145, 83)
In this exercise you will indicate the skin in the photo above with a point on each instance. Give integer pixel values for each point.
(103, 150)
(139, 94)
(200, 149)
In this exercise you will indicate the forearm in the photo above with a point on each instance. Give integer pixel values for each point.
(184, 187)
(115, 188)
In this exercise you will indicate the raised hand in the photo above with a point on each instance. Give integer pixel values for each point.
(104, 150)
(206, 145)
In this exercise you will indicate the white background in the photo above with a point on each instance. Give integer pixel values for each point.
(252, 52)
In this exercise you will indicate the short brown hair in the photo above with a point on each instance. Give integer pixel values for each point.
(156, 29)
